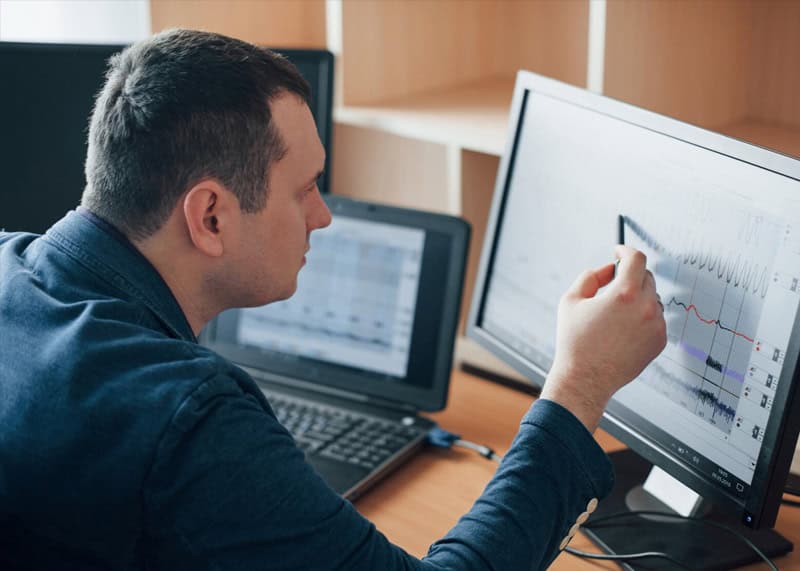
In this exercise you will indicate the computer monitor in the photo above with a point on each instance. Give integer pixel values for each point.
(316, 66)
(719, 219)
(45, 105)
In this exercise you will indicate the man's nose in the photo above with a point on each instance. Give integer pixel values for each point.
(322, 214)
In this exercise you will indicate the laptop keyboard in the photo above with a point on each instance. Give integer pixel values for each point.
(341, 435)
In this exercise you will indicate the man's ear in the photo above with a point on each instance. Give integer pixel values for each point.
(210, 212)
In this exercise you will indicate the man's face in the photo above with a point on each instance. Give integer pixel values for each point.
(276, 239)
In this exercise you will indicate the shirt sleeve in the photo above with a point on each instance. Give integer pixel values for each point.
(229, 489)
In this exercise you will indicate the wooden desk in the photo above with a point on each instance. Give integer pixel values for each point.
(423, 500)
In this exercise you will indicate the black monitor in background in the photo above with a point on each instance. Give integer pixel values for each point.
(45, 104)
(46, 101)
(316, 66)
(719, 219)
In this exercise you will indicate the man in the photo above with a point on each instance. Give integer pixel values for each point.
(126, 445)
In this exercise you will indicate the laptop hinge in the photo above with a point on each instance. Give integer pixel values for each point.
(392, 405)
(293, 383)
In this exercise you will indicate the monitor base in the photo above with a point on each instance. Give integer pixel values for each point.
(699, 547)
(500, 378)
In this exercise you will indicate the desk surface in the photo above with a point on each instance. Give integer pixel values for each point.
(419, 503)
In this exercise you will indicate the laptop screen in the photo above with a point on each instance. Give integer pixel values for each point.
(355, 300)
(375, 310)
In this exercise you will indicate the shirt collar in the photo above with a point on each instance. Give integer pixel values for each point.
(108, 253)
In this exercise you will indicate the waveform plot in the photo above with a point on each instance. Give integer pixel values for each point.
(750, 276)
(692, 307)
(704, 399)
(714, 364)
(303, 327)
(710, 361)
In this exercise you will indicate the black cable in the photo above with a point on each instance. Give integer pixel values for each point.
(625, 556)
(609, 518)
(793, 503)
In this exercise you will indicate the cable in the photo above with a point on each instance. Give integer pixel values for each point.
(441, 438)
(625, 556)
(484, 451)
(609, 518)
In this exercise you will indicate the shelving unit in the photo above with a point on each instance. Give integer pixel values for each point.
(472, 117)
(729, 66)
(284, 23)
(424, 86)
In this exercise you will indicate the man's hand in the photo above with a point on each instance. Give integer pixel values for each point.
(603, 342)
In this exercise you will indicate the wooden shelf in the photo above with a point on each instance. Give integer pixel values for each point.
(781, 138)
(474, 117)
(705, 62)
(395, 49)
(278, 23)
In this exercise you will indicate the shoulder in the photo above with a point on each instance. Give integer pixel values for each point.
(13, 246)
(160, 373)
(8, 237)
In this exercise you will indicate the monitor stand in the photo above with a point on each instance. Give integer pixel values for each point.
(699, 547)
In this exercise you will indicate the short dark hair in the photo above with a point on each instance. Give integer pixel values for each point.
(176, 108)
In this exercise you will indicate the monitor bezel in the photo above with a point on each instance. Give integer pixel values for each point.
(321, 102)
(761, 506)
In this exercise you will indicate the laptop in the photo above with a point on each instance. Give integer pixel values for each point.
(366, 342)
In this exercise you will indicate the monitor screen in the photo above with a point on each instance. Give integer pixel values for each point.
(45, 105)
(720, 223)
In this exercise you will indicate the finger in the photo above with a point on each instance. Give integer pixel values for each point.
(632, 265)
(622, 251)
(589, 282)
(649, 289)
(649, 283)
(604, 275)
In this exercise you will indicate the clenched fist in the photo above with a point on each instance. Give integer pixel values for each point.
(604, 341)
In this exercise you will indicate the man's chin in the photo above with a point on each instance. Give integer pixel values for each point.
(285, 296)
(281, 295)
(266, 298)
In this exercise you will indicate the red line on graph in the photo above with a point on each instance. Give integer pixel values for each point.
(709, 321)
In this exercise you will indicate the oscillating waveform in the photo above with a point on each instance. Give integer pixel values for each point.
(747, 275)
(698, 393)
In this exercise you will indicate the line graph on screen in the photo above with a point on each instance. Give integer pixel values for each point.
(713, 292)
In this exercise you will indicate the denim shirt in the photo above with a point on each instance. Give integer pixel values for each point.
(126, 445)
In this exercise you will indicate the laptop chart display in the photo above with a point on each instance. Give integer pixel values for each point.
(355, 301)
